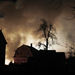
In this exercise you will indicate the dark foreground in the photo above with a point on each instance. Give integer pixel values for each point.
(44, 61)
(42, 66)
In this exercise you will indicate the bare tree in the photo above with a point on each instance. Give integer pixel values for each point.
(48, 33)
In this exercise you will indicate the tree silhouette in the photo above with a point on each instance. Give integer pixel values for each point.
(48, 33)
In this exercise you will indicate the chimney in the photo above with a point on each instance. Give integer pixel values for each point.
(31, 45)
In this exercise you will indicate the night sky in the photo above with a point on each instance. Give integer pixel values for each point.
(21, 20)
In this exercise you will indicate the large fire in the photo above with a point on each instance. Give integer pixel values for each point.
(28, 39)
(7, 61)
(24, 39)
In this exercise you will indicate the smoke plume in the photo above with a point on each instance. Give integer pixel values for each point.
(22, 19)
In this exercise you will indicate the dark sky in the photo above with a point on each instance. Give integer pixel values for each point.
(22, 18)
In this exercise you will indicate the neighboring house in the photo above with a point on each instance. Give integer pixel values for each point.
(2, 48)
(23, 53)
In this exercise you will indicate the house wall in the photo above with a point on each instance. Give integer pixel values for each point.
(18, 60)
(2, 54)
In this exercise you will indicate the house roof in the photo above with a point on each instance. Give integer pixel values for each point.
(25, 51)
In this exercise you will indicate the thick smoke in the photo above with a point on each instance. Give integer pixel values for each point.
(22, 19)
(67, 22)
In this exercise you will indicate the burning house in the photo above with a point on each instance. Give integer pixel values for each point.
(23, 53)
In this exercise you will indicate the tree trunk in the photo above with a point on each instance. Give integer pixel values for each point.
(46, 43)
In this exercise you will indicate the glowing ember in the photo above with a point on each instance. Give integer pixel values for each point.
(7, 62)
